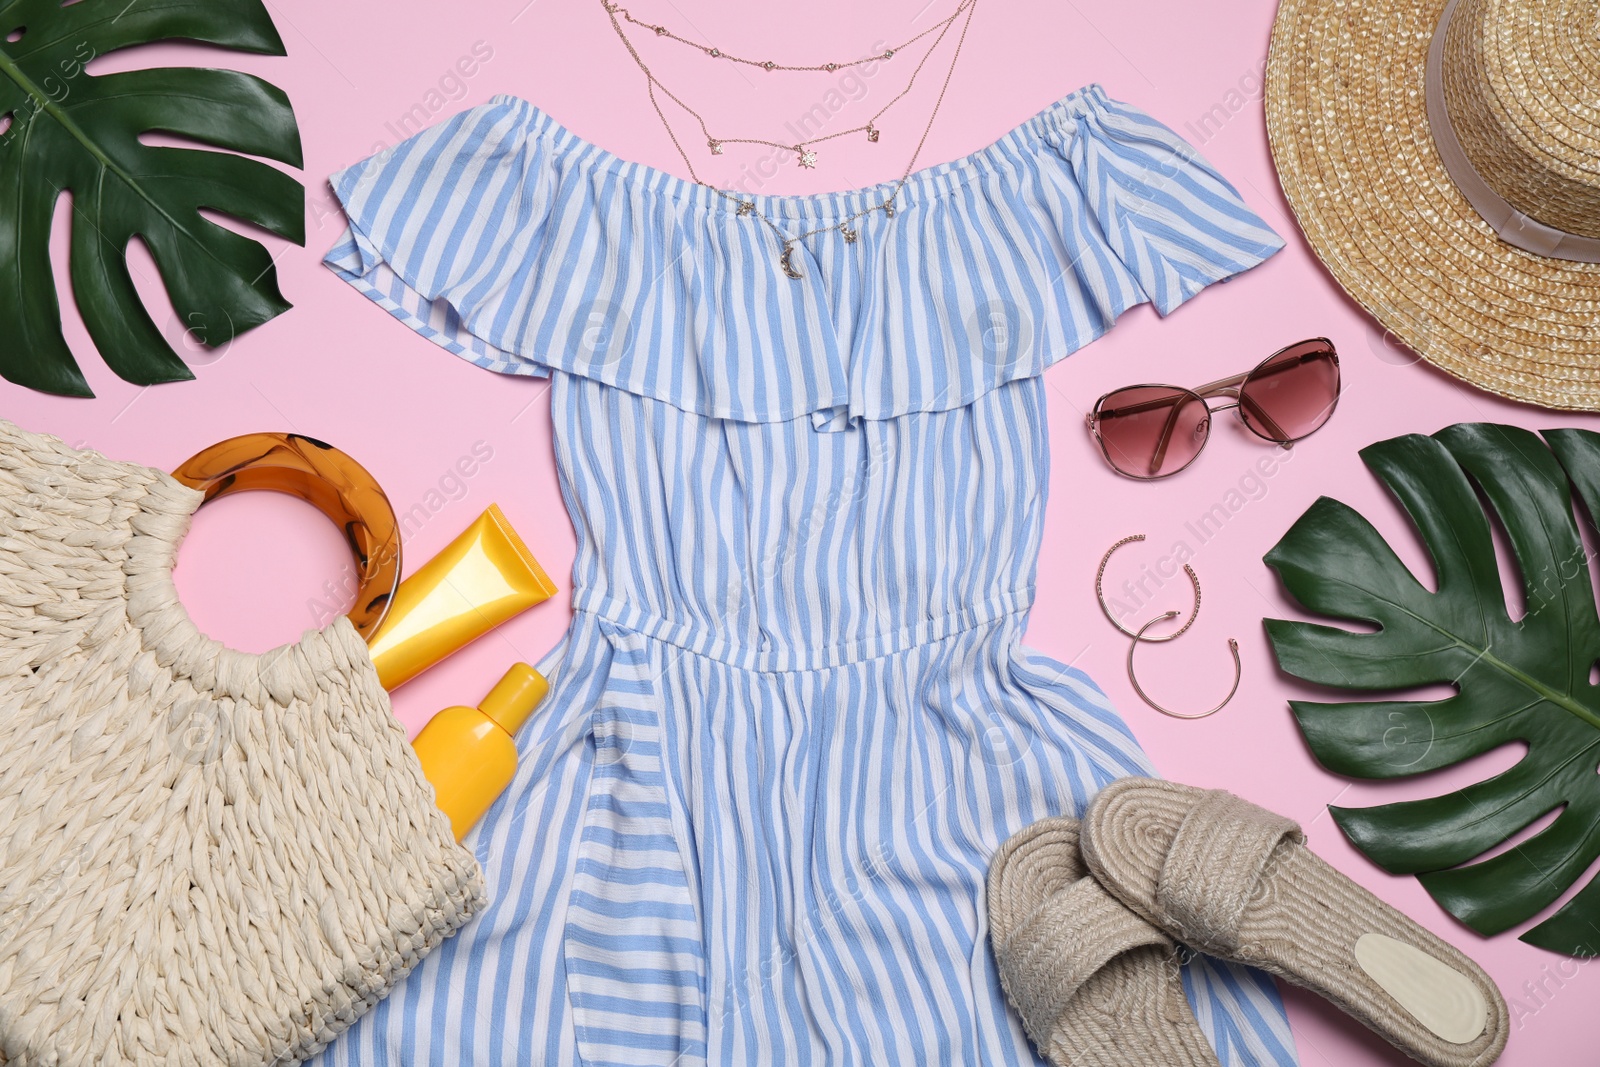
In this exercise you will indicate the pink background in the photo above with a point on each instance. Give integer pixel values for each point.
(337, 368)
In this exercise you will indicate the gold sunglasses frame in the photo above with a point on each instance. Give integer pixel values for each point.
(1232, 387)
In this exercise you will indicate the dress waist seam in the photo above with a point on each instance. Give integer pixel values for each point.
(730, 649)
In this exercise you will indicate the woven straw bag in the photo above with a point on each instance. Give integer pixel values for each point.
(206, 857)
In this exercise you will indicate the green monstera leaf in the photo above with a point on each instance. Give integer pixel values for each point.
(63, 130)
(1516, 679)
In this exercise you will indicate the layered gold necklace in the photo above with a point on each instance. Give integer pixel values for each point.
(805, 151)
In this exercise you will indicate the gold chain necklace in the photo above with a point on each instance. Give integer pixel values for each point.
(769, 65)
(748, 207)
(805, 153)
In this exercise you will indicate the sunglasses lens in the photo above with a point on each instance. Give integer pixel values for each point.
(1292, 394)
(1151, 431)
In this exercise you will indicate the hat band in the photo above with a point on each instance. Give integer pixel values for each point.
(1513, 227)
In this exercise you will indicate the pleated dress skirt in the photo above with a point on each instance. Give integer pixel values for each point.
(793, 717)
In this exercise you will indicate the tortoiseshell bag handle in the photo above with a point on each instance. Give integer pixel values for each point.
(328, 480)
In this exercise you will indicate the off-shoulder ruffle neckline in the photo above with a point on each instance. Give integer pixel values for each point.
(506, 238)
(1051, 121)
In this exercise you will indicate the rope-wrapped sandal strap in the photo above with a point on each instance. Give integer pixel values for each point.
(1071, 937)
(1213, 866)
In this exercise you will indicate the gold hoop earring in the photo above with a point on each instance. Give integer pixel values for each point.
(1099, 592)
(1139, 638)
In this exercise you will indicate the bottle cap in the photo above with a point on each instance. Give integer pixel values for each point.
(514, 697)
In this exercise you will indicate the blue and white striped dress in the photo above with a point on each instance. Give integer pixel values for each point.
(793, 717)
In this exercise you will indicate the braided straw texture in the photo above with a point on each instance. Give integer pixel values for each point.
(1094, 984)
(1272, 904)
(209, 857)
(1521, 81)
(1348, 120)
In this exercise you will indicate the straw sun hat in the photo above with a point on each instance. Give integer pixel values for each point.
(1443, 159)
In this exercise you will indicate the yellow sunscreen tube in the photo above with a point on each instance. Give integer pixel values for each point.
(481, 579)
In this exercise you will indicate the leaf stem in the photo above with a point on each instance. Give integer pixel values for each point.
(46, 104)
(1561, 700)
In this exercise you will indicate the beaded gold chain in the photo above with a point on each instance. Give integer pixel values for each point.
(805, 153)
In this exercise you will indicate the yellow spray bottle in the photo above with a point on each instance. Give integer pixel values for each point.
(468, 753)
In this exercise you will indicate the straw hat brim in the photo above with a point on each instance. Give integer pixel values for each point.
(1347, 117)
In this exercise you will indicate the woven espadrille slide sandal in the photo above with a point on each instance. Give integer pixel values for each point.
(1094, 984)
(1236, 881)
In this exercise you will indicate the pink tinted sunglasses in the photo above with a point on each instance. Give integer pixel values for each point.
(1153, 431)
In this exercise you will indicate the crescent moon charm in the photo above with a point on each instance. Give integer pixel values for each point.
(788, 267)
